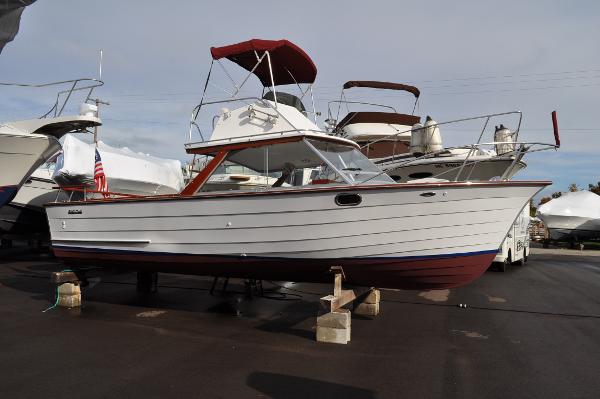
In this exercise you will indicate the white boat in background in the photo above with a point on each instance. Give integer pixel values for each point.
(574, 216)
(27, 144)
(127, 172)
(351, 214)
(454, 164)
(25, 217)
(408, 150)
(500, 159)
(387, 127)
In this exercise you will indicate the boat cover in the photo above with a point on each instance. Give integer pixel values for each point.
(579, 203)
(382, 85)
(10, 17)
(133, 169)
(290, 63)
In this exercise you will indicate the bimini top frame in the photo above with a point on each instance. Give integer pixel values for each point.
(273, 62)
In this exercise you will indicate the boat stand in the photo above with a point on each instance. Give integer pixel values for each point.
(68, 289)
(214, 285)
(252, 287)
(147, 282)
(333, 321)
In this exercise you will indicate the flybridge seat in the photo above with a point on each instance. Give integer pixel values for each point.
(287, 99)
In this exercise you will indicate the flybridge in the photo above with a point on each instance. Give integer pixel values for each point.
(275, 63)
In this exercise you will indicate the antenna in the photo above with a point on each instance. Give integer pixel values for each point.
(98, 102)
(100, 74)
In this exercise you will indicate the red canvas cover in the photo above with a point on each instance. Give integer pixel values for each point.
(290, 63)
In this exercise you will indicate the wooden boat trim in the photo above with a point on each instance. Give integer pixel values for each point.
(306, 189)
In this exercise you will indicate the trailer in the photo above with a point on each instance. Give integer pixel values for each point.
(515, 247)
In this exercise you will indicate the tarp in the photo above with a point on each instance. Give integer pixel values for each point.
(126, 171)
(579, 203)
(382, 85)
(289, 62)
(10, 17)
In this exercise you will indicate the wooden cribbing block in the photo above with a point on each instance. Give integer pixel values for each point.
(369, 306)
(334, 327)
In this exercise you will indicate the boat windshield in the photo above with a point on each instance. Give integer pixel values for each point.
(351, 162)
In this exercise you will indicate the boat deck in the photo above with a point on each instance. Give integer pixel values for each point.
(530, 332)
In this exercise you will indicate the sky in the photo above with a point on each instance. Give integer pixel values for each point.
(469, 58)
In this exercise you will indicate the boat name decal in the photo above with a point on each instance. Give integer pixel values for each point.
(75, 212)
(448, 165)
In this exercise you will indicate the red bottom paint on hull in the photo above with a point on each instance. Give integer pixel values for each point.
(403, 273)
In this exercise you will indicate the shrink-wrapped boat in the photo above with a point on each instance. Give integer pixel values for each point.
(572, 216)
(127, 172)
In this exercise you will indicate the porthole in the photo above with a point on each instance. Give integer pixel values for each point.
(348, 199)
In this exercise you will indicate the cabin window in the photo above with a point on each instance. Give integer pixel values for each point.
(420, 175)
(355, 166)
(297, 163)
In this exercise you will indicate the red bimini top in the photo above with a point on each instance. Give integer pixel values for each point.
(289, 62)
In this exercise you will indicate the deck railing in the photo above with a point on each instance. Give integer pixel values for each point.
(72, 86)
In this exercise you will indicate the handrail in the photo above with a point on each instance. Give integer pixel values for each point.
(85, 189)
(261, 135)
(488, 116)
(523, 147)
(472, 147)
(59, 106)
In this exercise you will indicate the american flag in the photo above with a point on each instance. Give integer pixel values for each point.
(99, 176)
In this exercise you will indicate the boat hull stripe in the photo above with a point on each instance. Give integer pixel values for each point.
(407, 272)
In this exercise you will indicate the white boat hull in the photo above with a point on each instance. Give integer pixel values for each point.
(483, 168)
(572, 227)
(25, 217)
(572, 216)
(402, 236)
(20, 155)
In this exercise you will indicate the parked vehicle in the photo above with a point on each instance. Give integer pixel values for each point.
(515, 247)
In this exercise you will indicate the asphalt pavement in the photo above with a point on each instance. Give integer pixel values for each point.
(532, 332)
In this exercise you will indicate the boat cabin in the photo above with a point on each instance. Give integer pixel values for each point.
(290, 155)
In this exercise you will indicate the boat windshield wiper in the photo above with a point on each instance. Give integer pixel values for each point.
(352, 169)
